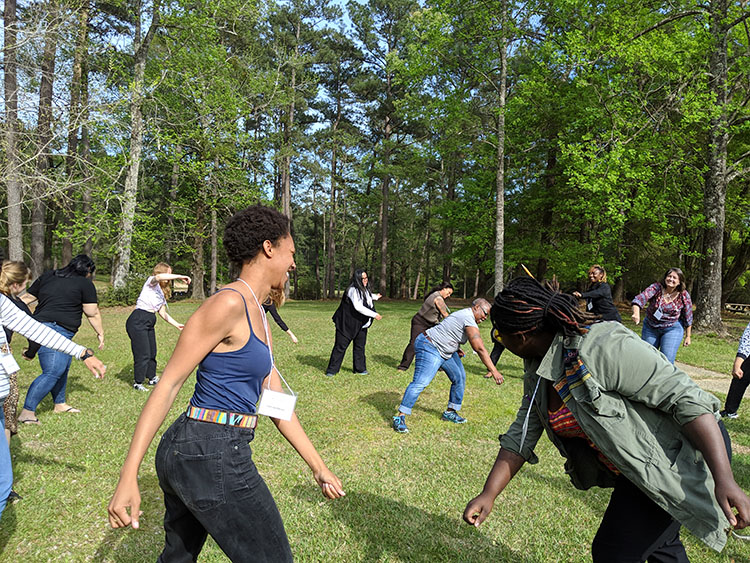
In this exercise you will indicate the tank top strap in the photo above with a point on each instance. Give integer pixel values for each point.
(247, 313)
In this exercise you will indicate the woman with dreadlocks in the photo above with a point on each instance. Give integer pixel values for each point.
(622, 416)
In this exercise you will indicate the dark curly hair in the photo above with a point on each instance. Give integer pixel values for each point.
(526, 306)
(246, 231)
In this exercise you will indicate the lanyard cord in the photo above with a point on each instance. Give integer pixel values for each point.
(268, 338)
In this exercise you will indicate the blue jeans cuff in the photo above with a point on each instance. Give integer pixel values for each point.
(403, 409)
(454, 406)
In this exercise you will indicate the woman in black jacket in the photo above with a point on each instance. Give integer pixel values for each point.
(598, 296)
(352, 319)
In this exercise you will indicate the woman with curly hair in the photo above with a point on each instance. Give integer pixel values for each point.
(622, 416)
(204, 464)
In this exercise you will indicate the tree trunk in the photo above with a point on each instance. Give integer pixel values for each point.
(12, 172)
(136, 146)
(198, 269)
(214, 228)
(331, 250)
(500, 172)
(708, 305)
(44, 138)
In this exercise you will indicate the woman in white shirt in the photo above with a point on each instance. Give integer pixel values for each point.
(352, 319)
(141, 322)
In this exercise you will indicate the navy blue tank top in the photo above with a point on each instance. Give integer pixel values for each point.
(232, 381)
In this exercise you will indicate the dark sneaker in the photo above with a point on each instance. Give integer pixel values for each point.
(453, 416)
(14, 497)
(726, 414)
(139, 387)
(154, 380)
(399, 424)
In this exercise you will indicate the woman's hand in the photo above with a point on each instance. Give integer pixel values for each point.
(636, 316)
(100, 337)
(478, 509)
(186, 279)
(687, 341)
(730, 495)
(291, 335)
(329, 483)
(95, 366)
(737, 372)
(126, 496)
(378, 317)
(577, 294)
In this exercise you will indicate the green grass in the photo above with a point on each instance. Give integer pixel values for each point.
(405, 493)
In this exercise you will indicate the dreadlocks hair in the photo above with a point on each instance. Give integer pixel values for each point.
(527, 306)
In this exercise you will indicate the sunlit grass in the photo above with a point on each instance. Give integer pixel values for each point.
(405, 493)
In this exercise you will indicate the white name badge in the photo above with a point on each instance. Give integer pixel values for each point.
(658, 314)
(590, 305)
(9, 363)
(276, 404)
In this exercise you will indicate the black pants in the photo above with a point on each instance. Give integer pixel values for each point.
(339, 349)
(211, 486)
(418, 325)
(497, 351)
(140, 328)
(635, 529)
(737, 389)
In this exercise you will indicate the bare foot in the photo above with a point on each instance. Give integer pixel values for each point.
(64, 407)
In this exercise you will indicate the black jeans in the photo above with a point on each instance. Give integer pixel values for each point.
(140, 328)
(339, 349)
(737, 389)
(418, 326)
(211, 486)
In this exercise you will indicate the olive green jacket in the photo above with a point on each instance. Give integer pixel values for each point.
(632, 407)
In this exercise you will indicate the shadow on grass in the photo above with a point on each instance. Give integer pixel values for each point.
(8, 525)
(128, 545)
(388, 529)
(388, 361)
(386, 403)
(126, 375)
(319, 363)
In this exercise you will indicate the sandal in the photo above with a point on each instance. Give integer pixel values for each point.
(69, 409)
(29, 421)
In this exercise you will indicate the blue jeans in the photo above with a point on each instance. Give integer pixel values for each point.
(54, 377)
(428, 362)
(667, 340)
(211, 486)
(6, 469)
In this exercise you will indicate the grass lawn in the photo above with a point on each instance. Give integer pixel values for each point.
(405, 493)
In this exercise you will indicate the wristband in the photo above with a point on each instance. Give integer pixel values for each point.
(88, 353)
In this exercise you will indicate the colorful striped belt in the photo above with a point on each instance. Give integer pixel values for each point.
(222, 417)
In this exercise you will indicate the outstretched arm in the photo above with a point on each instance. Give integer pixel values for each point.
(164, 314)
(506, 466)
(475, 339)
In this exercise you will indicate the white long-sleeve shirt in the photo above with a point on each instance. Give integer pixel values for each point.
(356, 300)
(16, 320)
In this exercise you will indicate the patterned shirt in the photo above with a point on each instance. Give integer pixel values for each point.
(744, 350)
(679, 309)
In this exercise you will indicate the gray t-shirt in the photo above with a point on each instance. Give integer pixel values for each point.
(448, 336)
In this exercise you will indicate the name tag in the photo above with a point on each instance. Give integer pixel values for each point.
(658, 314)
(590, 305)
(9, 363)
(276, 404)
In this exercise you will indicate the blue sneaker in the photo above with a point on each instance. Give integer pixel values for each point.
(453, 416)
(399, 424)
(330, 374)
(362, 372)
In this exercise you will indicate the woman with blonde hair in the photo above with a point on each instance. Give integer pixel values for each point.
(272, 305)
(141, 322)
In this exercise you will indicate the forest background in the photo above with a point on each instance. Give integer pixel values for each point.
(441, 139)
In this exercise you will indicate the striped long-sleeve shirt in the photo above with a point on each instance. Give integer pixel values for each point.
(18, 321)
(744, 349)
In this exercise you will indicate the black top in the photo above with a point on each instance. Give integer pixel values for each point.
(599, 301)
(61, 299)
(21, 305)
(347, 319)
(269, 307)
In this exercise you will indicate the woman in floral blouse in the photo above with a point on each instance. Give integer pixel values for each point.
(669, 314)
